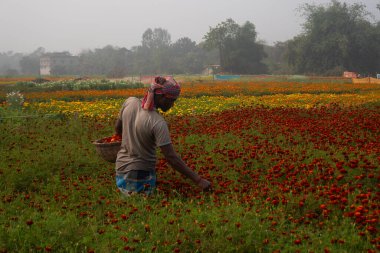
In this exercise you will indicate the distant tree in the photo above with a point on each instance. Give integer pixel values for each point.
(11, 72)
(59, 70)
(30, 64)
(212, 56)
(276, 58)
(246, 55)
(155, 39)
(182, 57)
(294, 54)
(336, 37)
(158, 55)
(152, 57)
(141, 60)
(183, 45)
(158, 42)
(10, 63)
(220, 37)
(109, 61)
(186, 57)
(238, 49)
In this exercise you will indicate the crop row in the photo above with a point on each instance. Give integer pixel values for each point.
(108, 108)
(190, 89)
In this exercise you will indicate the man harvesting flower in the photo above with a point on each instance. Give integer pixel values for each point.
(143, 129)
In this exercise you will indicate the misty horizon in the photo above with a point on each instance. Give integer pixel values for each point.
(74, 27)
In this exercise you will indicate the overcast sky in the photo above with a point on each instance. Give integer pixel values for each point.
(75, 25)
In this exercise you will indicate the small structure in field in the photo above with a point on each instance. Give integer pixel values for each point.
(211, 69)
(58, 64)
(348, 74)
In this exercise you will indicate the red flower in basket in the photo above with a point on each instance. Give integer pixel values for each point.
(108, 147)
(113, 138)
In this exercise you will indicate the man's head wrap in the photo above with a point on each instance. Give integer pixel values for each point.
(166, 86)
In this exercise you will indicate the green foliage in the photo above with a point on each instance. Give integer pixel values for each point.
(336, 38)
(94, 84)
(276, 59)
(30, 64)
(238, 50)
(9, 63)
(157, 55)
(186, 57)
(157, 38)
(110, 61)
(15, 99)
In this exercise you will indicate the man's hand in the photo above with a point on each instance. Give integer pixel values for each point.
(178, 164)
(205, 185)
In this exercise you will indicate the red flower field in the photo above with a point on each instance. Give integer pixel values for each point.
(284, 179)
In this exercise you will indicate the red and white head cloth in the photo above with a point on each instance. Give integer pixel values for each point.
(161, 85)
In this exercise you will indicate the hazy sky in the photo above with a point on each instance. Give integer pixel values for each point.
(74, 25)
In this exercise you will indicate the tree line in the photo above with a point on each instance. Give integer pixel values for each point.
(336, 37)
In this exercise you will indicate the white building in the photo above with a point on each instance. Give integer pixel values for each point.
(58, 63)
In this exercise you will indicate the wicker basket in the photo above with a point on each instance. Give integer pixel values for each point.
(108, 151)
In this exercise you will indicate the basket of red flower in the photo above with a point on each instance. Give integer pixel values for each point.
(108, 147)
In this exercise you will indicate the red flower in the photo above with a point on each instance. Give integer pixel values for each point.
(113, 138)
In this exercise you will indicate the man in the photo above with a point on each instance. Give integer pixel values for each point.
(143, 129)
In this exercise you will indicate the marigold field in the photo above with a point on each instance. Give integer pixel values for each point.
(294, 168)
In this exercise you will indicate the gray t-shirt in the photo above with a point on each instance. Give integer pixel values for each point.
(143, 132)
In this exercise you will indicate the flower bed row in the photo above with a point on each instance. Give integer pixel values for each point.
(190, 89)
(108, 108)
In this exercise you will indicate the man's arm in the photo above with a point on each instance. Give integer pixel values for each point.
(119, 127)
(178, 164)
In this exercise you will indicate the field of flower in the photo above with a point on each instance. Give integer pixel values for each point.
(294, 167)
